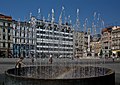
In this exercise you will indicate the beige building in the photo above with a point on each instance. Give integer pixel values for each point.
(5, 36)
(23, 39)
(116, 40)
(106, 41)
(96, 47)
(80, 44)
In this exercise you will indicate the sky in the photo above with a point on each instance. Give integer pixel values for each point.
(108, 10)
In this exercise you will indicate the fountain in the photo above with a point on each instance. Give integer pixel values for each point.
(67, 73)
(60, 75)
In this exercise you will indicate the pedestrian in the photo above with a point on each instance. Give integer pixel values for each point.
(32, 60)
(18, 65)
(113, 58)
(50, 59)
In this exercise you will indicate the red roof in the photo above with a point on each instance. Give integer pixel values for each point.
(5, 17)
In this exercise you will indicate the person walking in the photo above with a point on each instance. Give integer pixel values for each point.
(113, 58)
(50, 59)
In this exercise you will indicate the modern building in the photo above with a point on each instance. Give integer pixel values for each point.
(5, 36)
(54, 39)
(116, 41)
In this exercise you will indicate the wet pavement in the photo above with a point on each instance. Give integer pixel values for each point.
(7, 63)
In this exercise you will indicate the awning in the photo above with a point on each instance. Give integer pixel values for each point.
(115, 51)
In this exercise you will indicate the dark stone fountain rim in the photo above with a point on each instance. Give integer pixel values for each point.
(111, 72)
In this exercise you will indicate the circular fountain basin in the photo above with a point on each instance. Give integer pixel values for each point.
(60, 75)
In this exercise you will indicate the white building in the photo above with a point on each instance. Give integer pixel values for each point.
(23, 39)
(5, 36)
(54, 39)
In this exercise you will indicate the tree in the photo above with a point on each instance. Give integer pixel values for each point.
(101, 52)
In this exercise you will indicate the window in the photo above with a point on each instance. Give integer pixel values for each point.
(3, 23)
(8, 30)
(106, 47)
(6, 24)
(15, 40)
(8, 37)
(9, 24)
(8, 45)
(24, 40)
(3, 44)
(4, 37)
(3, 29)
